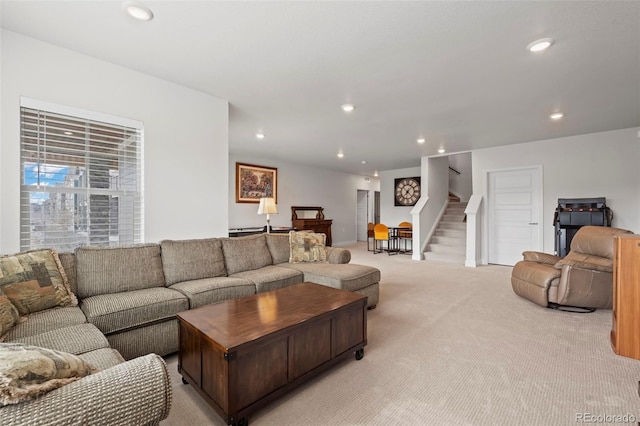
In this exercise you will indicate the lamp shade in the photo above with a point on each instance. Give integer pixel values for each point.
(267, 206)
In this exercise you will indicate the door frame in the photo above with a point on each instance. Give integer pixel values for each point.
(366, 212)
(487, 186)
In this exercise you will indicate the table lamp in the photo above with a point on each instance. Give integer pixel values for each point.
(267, 206)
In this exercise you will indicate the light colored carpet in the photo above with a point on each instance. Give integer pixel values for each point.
(455, 345)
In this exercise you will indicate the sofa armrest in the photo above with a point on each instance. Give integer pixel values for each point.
(536, 256)
(136, 392)
(338, 255)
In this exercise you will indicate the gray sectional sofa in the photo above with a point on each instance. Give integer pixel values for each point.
(128, 298)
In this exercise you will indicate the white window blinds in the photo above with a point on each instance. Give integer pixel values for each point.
(81, 181)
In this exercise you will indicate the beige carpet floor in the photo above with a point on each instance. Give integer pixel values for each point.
(454, 345)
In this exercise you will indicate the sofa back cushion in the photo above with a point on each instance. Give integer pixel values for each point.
(278, 247)
(68, 262)
(245, 253)
(186, 260)
(105, 270)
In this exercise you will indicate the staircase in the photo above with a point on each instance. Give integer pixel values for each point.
(448, 243)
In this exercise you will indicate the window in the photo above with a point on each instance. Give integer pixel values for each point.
(81, 178)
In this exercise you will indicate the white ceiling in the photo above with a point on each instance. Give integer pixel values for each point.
(456, 73)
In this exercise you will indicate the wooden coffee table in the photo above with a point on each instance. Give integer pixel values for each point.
(243, 353)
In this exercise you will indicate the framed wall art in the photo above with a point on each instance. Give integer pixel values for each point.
(255, 182)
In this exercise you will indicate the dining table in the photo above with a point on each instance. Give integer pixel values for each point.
(393, 246)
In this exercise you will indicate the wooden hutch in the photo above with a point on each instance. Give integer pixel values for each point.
(310, 221)
(625, 330)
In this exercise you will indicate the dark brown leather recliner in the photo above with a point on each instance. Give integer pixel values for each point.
(582, 279)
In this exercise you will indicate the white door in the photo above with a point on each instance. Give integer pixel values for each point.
(361, 219)
(515, 214)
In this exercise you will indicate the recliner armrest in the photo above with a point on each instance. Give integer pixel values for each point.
(536, 256)
(585, 261)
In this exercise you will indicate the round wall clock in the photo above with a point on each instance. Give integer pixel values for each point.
(407, 191)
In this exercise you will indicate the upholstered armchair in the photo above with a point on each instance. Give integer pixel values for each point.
(582, 279)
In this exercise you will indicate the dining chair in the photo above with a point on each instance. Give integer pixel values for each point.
(380, 233)
(370, 235)
(406, 235)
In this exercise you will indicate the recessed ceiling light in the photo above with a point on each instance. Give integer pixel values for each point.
(421, 140)
(260, 135)
(348, 107)
(340, 154)
(364, 161)
(138, 11)
(556, 116)
(441, 151)
(375, 173)
(540, 45)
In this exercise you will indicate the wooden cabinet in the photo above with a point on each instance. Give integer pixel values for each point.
(625, 331)
(306, 218)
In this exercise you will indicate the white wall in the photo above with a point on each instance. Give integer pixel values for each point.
(595, 165)
(390, 214)
(304, 186)
(461, 184)
(186, 135)
(435, 178)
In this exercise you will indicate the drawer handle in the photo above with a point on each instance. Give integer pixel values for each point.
(533, 223)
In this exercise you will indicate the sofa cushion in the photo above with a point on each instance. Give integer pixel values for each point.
(349, 277)
(34, 281)
(103, 270)
(245, 253)
(75, 339)
(192, 259)
(144, 340)
(121, 311)
(29, 371)
(278, 247)
(103, 358)
(211, 290)
(271, 277)
(307, 247)
(9, 316)
(47, 320)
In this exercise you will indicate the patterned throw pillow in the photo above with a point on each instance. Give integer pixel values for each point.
(9, 316)
(307, 247)
(28, 371)
(34, 281)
